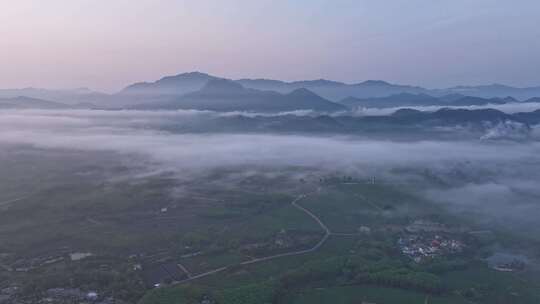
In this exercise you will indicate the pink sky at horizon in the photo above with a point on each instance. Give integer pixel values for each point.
(106, 45)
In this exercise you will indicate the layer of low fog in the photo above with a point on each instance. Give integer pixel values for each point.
(510, 108)
(498, 179)
(139, 132)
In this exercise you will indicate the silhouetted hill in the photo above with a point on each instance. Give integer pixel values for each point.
(478, 101)
(398, 100)
(333, 90)
(227, 95)
(367, 91)
(23, 102)
(171, 85)
(70, 97)
(411, 100)
(531, 118)
(377, 88)
(447, 115)
(463, 115)
(491, 91)
(534, 99)
(370, 93)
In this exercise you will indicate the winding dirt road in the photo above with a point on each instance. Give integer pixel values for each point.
(327, 234)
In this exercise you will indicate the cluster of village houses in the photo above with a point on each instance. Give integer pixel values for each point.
(420, 247)
(424, 240)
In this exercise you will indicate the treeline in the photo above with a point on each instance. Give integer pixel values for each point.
(261, 293)
(401, 278)
(334, 271)
(357, 270)
(442, 265)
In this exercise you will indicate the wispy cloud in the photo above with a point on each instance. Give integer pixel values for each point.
(507, 108)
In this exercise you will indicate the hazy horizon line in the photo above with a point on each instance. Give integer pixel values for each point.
(116, 90)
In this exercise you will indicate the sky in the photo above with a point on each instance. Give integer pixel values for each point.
(108, 44)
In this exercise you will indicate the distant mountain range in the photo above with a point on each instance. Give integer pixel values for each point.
(75, 96)
(197, 90)
(333, 90)
(23, 102)
(491, 91)
(411, 100)
(228, 95)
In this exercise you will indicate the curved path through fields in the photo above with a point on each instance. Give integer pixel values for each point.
(327, 234)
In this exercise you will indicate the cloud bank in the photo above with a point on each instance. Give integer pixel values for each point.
(136, 132)
(499, 178)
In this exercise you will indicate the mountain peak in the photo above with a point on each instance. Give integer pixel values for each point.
(188, 75)
(172, 85)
